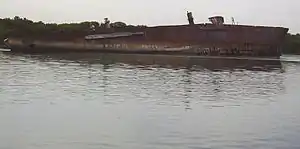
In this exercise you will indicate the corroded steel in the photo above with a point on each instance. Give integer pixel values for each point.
(197, 39)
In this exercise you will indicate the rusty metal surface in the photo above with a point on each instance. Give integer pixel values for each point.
(201, 39)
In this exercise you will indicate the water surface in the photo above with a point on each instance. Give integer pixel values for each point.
(87, 101)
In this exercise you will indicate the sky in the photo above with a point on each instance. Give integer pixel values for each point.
(282, 13)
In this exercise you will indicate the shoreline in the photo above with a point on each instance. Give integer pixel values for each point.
(290, 53)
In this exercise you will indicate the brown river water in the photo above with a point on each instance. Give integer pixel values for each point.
(111, 101)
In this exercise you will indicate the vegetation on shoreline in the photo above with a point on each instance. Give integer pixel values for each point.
(23, 26)
(292, 44)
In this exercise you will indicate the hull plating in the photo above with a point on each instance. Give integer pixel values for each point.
(203, 39)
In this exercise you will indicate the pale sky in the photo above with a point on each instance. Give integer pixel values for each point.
(283, 13)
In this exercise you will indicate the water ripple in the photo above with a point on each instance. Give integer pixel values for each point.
(137, 101)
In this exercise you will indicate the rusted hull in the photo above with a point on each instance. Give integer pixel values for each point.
(141, 49)
(201, 39)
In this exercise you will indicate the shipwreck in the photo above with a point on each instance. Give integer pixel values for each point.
(207, 39)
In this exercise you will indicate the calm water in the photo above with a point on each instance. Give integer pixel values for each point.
(103, 101)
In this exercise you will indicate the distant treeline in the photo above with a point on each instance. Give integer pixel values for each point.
(23, 26)
(292, 44)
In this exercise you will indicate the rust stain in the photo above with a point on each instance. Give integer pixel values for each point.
(198, 39)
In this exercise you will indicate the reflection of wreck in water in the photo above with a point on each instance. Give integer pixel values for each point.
(213, 82)
(164, 61)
